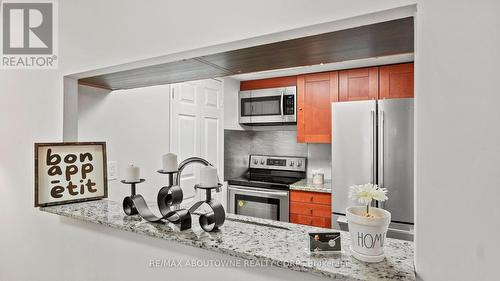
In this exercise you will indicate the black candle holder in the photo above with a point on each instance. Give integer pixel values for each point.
(169, 199)
(128, 206)
(214, 219)
(172, 177)
(168, 195)
(208, 190)
(171, 195)
(132, 185)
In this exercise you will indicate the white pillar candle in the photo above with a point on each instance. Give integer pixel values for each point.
(169, 162)
(208, 176)
(132, 174)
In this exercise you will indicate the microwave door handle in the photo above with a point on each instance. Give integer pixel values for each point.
(281, 104)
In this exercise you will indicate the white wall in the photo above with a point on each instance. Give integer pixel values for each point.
(135, 125)
(458, 140)
(231, 89)
(319, 156)
(94, 34)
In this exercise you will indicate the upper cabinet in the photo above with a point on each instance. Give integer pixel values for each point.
(277, 82)
(396, 81)
(358, 84)
(315, 93)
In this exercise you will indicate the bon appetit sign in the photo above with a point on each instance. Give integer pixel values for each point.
(69, 172)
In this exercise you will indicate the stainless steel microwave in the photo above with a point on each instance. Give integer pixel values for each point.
(274, 106)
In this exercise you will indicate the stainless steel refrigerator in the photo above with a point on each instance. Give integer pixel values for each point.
(372, 142)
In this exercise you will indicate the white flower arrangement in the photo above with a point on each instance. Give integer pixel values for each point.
(365, 193)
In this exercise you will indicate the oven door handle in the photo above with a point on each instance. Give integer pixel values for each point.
(259, 191)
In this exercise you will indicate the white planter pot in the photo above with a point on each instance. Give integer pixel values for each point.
(368, 234)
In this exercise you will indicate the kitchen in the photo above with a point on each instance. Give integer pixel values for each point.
(289, 132)
(279, 131)
(304, 101)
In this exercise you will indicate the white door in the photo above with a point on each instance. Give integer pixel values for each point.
(197, 128)
(212, 125)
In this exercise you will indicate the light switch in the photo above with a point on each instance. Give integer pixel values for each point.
(112, 170)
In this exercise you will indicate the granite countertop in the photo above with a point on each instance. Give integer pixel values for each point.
(307, 185)
(268, 242)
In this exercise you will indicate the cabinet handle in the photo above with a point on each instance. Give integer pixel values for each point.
(312, 198)
(310, 211)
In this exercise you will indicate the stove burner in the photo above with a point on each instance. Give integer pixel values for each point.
(272, 172)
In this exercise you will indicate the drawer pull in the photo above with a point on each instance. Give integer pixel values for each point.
(312, 198)
(310, 211)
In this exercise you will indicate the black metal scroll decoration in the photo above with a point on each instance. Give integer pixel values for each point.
(170, 196)
(167, 197)
(212, 220)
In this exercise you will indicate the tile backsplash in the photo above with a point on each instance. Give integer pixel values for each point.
(319, 156)
(238, 145)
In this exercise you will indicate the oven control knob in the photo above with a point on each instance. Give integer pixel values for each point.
(255, 161)
(291, 163)
(299, 164)
(262, 161)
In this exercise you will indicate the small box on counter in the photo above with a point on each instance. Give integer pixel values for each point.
(325, 241)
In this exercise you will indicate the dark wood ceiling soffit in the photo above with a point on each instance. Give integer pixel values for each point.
(375, 40)
(167, 73)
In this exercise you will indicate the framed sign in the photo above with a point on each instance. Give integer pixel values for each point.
(70, 172)
(325, 241)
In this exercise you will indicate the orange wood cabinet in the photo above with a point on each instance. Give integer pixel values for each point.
(358, 84)
(396, 81)
(268, 83)
(311, 197)
(309, 220)
(310, 208)
(315, 93)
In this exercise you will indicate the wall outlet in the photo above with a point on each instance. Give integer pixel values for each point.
(112, 170)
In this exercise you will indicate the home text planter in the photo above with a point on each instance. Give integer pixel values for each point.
(368, 234)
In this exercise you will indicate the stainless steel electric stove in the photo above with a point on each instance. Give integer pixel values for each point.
(263, 191)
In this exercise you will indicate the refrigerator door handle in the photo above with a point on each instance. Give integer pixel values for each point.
(372, 136)
(409, 232)
(343, 224)
(382, 152)
(373, 149)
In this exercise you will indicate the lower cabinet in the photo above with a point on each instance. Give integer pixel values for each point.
(310, 220)
(310, 208)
